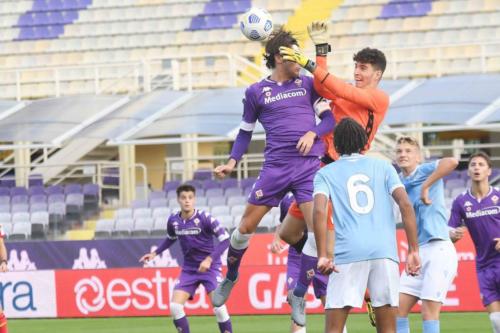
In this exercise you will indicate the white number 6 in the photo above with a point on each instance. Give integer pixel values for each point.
(355, 184)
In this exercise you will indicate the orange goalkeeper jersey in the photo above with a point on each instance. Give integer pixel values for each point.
(367, 106)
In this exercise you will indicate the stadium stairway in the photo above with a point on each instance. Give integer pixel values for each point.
(306, 12)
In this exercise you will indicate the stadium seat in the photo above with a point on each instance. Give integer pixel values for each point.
(219, 211)
(161, 212)
(227, 221)
(20, 231)
(103, 228)
(142, 227)
(237, 210)
(123, 213)
(142, 213)
(123, 228)
(159, 227)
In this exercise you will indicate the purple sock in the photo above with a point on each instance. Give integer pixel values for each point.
(182, 325)
(226, 327)
(233, 262)
(308, 266)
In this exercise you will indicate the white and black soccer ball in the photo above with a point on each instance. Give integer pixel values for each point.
(256, 24)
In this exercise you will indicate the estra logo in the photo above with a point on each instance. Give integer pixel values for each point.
(119, 292)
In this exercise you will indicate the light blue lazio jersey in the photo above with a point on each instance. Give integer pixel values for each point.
(360, 188)
(432, 221)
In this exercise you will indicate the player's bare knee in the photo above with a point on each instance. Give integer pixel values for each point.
(430, 310)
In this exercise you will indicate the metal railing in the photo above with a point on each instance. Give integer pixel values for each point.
(86, 171)
(139, 76)
(175, 167)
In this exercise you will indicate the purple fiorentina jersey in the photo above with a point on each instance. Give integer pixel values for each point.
(482, 219)
(196, 237)
(286, 112)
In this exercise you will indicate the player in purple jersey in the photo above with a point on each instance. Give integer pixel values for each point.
(202, 265)
(293, 264)
(478, 208)
(285, 104)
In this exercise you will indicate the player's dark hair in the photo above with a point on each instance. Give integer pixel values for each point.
(349, 137)
(185, 188)
(481, 154)
(278, 38)
(371, 56)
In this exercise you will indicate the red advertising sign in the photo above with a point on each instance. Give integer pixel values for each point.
(260, 290)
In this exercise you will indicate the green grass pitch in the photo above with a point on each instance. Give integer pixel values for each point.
(357, 323)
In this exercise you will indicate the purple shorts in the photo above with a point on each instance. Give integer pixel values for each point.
(489, 283)
(319, 281)
(277, 178)
(189, 281)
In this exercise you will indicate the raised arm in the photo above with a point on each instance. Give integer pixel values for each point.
(321, 61)
(167, 242)
(444, 167)
(244, 136)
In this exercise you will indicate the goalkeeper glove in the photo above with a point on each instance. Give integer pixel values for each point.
(318, 32)
(294, 55)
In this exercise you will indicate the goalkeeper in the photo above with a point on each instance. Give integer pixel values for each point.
(364, 102)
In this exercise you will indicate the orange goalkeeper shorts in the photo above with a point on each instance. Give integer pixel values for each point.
(295, 211)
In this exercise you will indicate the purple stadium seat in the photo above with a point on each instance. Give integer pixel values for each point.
(4, 191)
(171, 194)
(20, 207)
(229, 182)
(214, 7)
(157, 195)
(202, 174)
(91, 190)
(55, 18)
(38, 198)
(73, 188)
(38, 207)
(171, 185)
(214, 192)
(197, 23)
(54, 189)
(4, 199)
(210, 183)
(35, 180)
(26, 20)
(213, 22)
(57, 197)
(70, 16)
(18, 190)
(216, 201)
(233, 191)
(57, 208)
(242, 6)
(74, 199)
(111, 176)
(228, 21)
(389, 11)
(196, 183)
(158, 202)
(139, 204)
(455, 183)
(19, 199)
(41, 18)
(26, 33)
(55, 4)
(4, 208)
(40, 6)
(247, 182)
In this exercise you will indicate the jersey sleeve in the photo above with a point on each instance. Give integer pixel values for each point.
(215, 228)
(371, 99)
(456, 218)
(392, 180)
(427, 168)
(170, 229)
(250, 111)
(318, 86)
(321, 185)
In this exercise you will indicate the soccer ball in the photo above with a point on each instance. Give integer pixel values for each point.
(256, 24)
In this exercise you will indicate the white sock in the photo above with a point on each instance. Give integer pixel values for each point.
(301, 330)
(310, 246)
(240, 241)
(495, 321)
(177, 310)
(221, 314)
